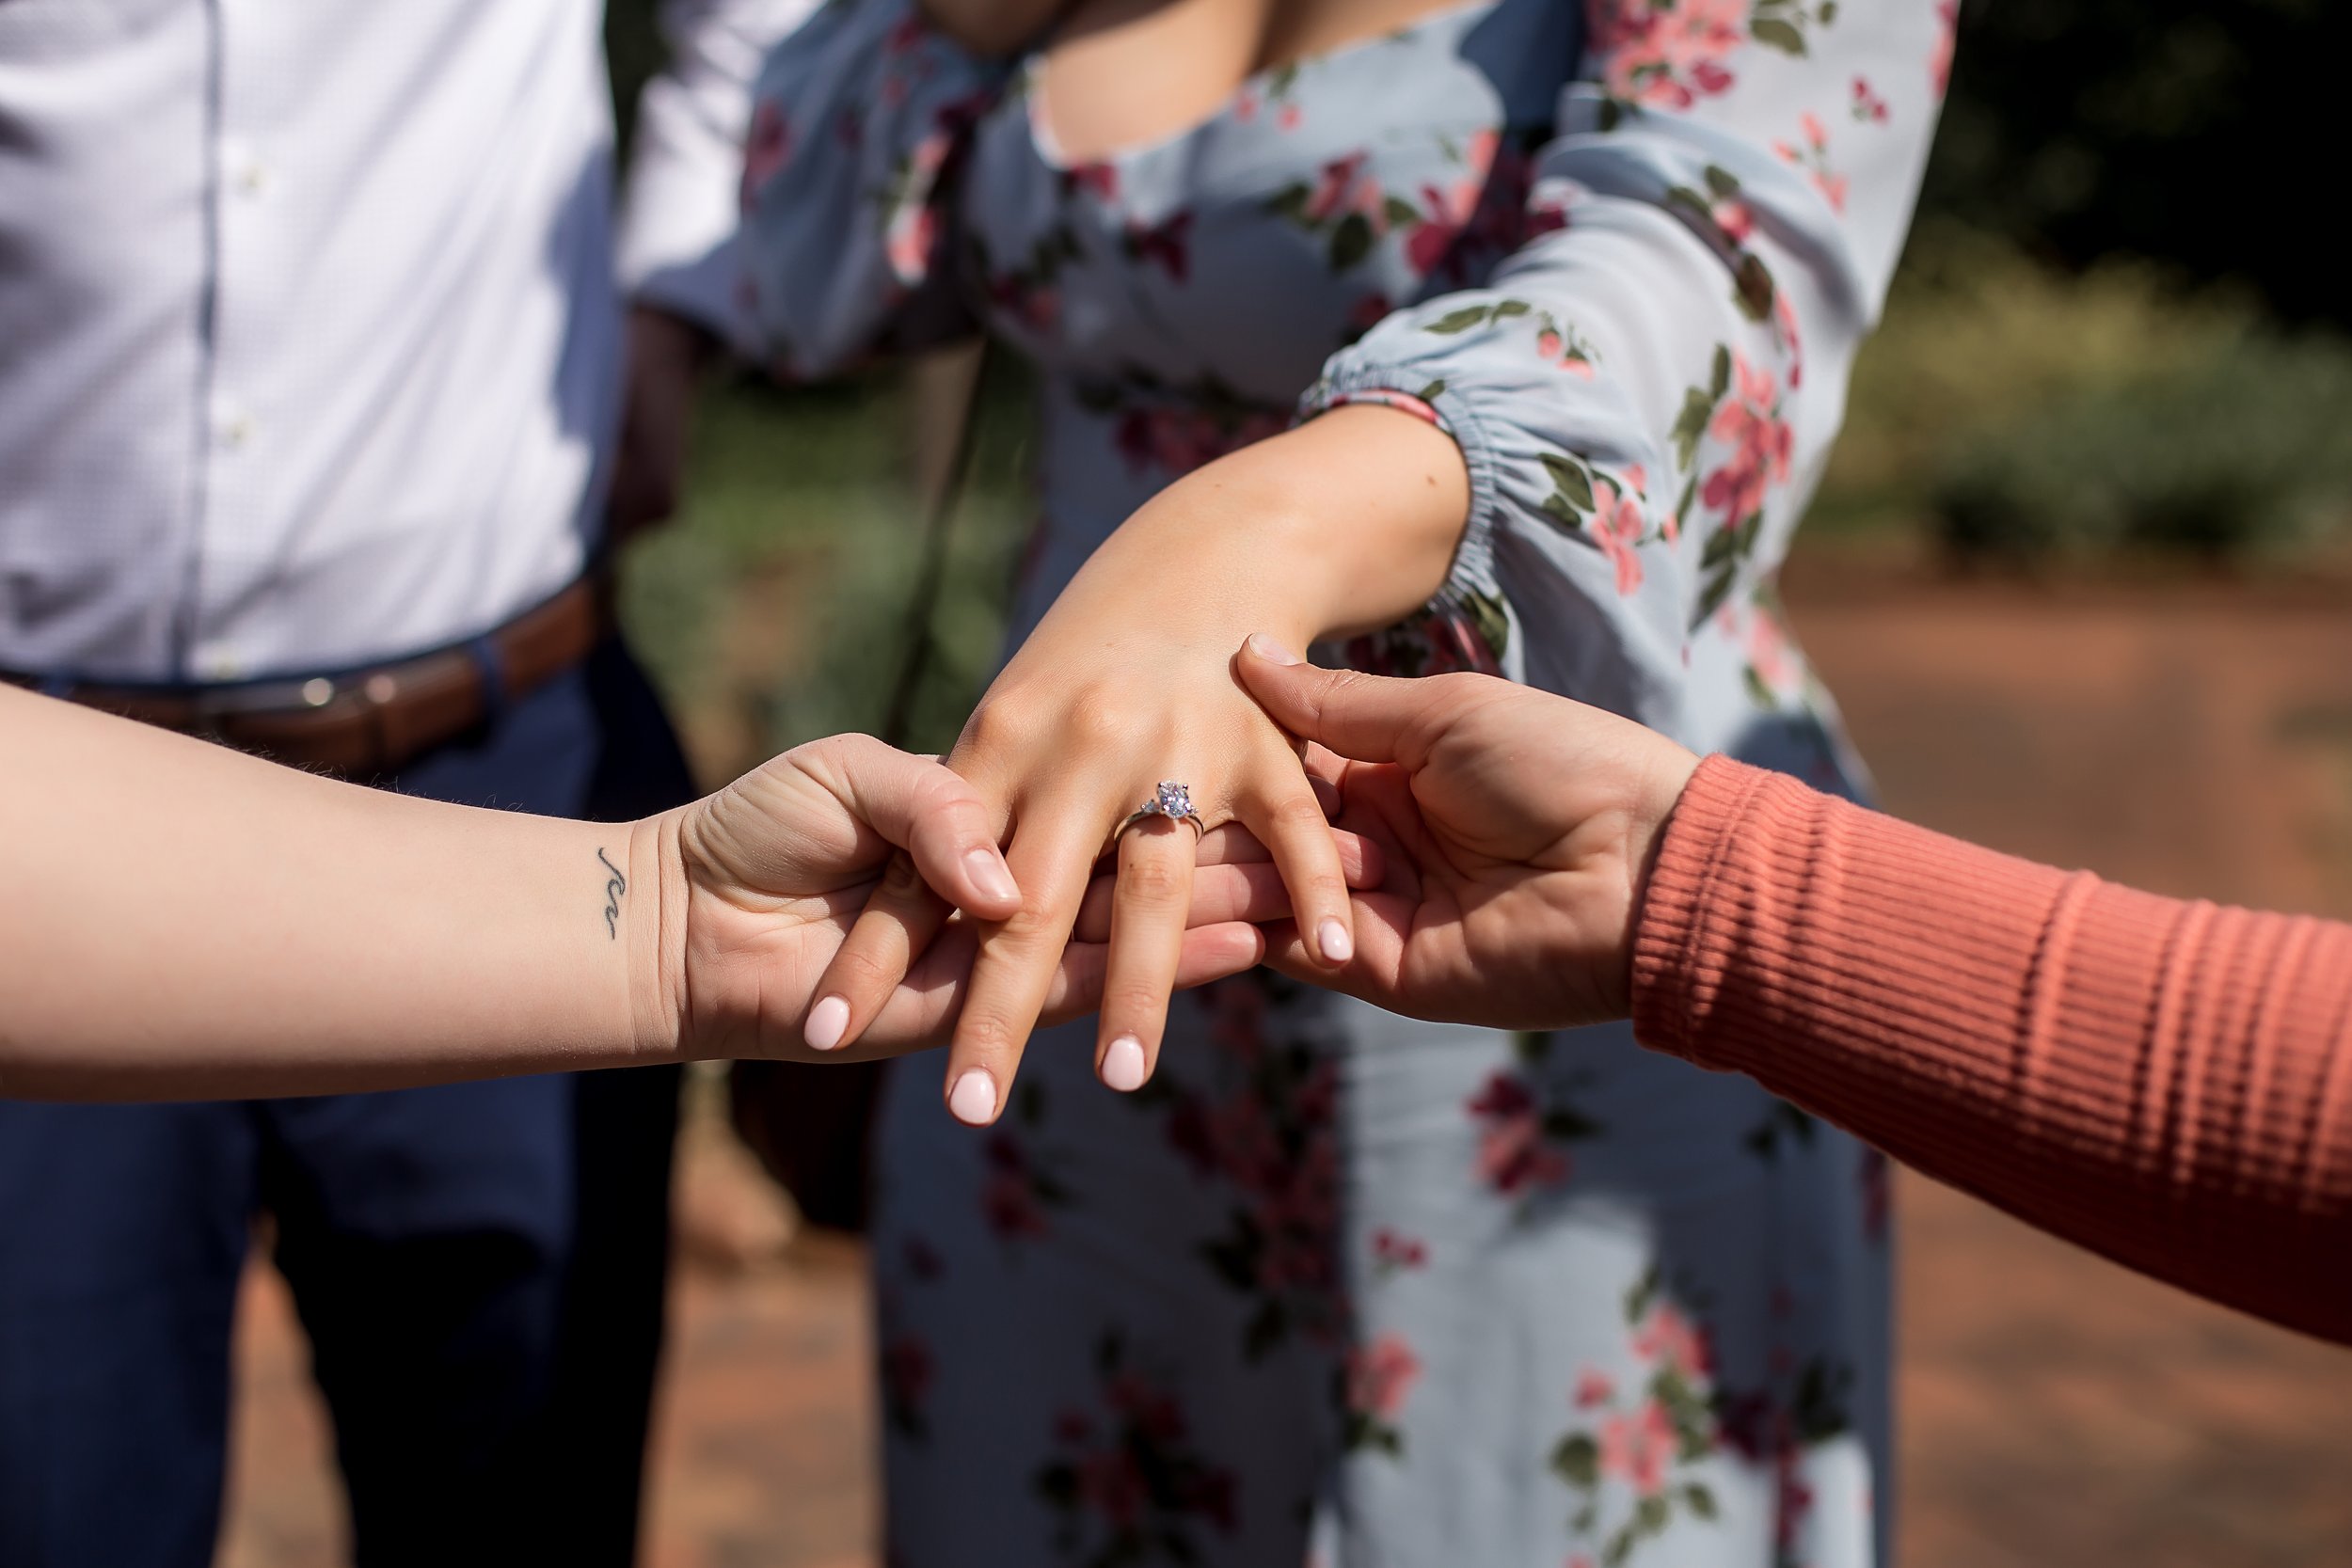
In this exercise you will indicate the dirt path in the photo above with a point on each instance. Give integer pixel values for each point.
(2057, 1412)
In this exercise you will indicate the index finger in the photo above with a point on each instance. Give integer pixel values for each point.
(1052, 852)
(1366, 718)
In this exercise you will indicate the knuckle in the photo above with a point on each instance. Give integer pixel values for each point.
(988, 1037)
(901, 881)
(1130, 1001)
(1001, 723)
(1152, 879)
(862, 971)
(1101, 719)
(1298, 814)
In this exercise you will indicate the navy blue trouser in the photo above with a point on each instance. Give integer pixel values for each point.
(479, 1267)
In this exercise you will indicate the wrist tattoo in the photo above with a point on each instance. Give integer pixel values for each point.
(615, 885)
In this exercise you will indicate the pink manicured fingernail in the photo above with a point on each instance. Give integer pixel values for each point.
(1271, 651)
(827, 1022)
(990, 873)
(1122, 1063)
(1338, 946)
(973, 1098)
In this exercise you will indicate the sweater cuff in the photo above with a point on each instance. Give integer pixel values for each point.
(1667, 927)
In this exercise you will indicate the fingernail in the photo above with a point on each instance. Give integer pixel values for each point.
(990, 873)
(1338, 946)
(973, 1098)
(1122, 1063)
(1271, 651)
(827, 1022)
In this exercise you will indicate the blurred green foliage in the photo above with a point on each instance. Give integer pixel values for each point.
(776, 606)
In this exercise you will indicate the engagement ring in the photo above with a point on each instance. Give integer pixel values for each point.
(1172, 800)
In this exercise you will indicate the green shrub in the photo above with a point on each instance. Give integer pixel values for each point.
(2240, 452)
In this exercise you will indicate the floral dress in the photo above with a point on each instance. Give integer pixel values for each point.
(1341, 1287)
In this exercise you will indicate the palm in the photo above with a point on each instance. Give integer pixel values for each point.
(765, 912)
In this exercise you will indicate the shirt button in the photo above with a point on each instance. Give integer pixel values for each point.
(233, 427)
(215, 661)
(245, 171)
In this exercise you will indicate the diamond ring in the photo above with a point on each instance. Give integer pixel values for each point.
(1171, 800)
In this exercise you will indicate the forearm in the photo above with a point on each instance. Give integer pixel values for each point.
(2160, 1081)
(189, 923)
(1345, 525)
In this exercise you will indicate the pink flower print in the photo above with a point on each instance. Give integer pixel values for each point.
(913, 227)
(904, 35)
(1344, 189)
(1668, 1338)
(1594, 1388)
(1667, 53)
(1380, 1377)
(1767, 650)
(1151, 1412)
(1735, 217)
(1513, 1155)
(1940, 57)
(1110, 1483)
(1169, 242)
(1445, 214)
(1761, 445)
(1796, 1498)
(1617, 524)
(1813, 157)
(1639, 1447)
(1290, 118)
(1369, 311)
(1398, 1252)
(906, 1374)
(1009, 1197)
(765, 149)
(1246, 105)
(923, 1259)
(1100, 180)
(1785, 317)
(1868, 107)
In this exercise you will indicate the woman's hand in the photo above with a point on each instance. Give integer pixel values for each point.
(1516, 827)
(1347, 522)
(763, 879)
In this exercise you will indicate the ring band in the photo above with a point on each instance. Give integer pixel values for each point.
(1171, 800)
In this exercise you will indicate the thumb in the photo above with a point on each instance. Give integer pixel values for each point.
(935, 816)
(1363, 717)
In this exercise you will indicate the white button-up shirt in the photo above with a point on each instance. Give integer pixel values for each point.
(310, 326)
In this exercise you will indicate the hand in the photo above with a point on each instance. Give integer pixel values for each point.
(1347, 522)
(1517, 828)
(769, 872)
(666, 356)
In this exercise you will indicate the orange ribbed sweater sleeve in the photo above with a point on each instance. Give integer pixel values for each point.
(2167, 1083)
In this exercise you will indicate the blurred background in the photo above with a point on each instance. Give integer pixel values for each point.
(2081, 575)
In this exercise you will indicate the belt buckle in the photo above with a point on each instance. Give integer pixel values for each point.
(213, 710)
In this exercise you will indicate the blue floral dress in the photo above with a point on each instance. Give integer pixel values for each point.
(1342, 1286)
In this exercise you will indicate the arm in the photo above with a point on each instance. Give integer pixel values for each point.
(1645, 392)
(675, 247)
(2165, 1083)
(860, 122)
(184, 921)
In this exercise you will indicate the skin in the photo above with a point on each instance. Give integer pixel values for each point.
(186, 921)
(1346, 524)
(1516, 827)
(667, 356)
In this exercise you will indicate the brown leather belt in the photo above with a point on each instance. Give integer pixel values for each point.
(373, 722)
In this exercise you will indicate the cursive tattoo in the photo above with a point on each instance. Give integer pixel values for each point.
(614, 886)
